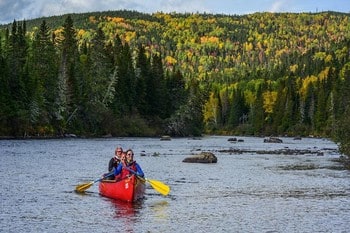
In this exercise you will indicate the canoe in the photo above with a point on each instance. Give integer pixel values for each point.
(129, 189)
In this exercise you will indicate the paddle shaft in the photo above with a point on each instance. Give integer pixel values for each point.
(83, 187)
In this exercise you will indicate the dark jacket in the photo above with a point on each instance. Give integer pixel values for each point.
(113, 163)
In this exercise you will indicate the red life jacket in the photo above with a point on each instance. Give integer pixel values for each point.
(125, 172)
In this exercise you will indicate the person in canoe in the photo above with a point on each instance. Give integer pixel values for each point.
(114, 161)
(128, 168)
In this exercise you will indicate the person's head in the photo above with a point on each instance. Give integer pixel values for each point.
(122, 158)
(118, 152)
(129, 156)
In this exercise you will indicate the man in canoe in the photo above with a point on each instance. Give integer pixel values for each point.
(128, 168)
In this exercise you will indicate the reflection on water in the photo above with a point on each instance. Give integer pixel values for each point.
(124, 209)
(160, 209)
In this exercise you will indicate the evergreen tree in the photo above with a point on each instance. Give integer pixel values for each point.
(143, 71)
(257, 113)
(176, 92)
(156, 89)
(188, 119)
(43, 71)
(5, 98)
(343, 125)
(125, 94)
(67, 80)
(309, 107)
(17, 103)
(96, 85)
(239, 110)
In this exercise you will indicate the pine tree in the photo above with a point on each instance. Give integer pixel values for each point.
(176, 92)
(5, 98)
(17, 49)
(143, 69)
(96, 85)
(67, 80)
(239, 110)
(43, 72)
(156, 89)
(257, 113)
(124, 99)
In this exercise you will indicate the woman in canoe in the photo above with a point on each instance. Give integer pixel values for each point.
(128, 168)
(114, 162)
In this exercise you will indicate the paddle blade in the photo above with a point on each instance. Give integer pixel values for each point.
(82, 187)
(159, 186)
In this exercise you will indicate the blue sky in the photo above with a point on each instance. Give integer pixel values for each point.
(29, 9)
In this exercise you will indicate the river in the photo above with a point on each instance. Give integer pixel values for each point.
(242, 192)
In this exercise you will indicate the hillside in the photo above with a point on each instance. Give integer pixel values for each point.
(261, 74)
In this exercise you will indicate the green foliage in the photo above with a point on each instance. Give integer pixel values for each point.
(88, 76)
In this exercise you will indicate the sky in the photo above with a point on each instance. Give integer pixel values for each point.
(29, 9)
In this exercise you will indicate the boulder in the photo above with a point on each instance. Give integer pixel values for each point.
(232, 139)
(203, 157)
(273, 140)
(165, 138)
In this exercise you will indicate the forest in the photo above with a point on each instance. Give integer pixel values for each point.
(126, 73)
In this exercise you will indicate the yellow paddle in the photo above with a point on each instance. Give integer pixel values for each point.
(156, 184)
(83, 187)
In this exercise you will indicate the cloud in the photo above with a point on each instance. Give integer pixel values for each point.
(28, 9)
(179, 6)
(9, 9)
(277, 5)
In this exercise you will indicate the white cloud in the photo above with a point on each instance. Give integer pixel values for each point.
(277, 5)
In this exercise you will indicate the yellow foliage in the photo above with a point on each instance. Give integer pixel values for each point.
(293, 68)
(249, 97)
(305, 83)
(58, 34)
(324, 73)
(269, 100)
(211, 39)
(81, 33)
(248, 46)
(211, 21)
(129, 36)
(328, 59)
(116, 19)
(210, 109)
(169, 60)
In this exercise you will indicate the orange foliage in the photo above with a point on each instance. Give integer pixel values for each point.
(92, 19)
(211, 39)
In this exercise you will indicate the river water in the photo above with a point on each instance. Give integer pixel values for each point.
(242, 192)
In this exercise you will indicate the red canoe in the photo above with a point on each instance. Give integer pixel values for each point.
(129, 189)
